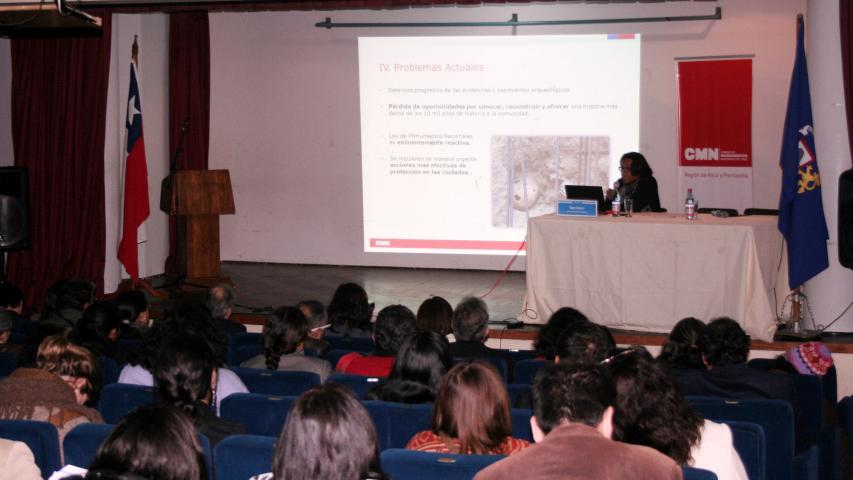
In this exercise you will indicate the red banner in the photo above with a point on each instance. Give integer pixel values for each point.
(715, 113)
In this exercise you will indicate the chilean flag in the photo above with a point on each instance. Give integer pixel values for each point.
(136, 208)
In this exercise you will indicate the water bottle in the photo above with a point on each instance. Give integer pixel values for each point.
(690, 205)
(616, 206)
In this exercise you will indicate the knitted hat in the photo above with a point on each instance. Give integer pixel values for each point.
(810, 358)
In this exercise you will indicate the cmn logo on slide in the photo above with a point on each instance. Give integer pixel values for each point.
(691, 153)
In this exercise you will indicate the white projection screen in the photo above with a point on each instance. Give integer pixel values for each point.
(465, 138)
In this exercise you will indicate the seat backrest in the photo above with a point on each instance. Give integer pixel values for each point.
(246, 352)
(517, 391)
(274, 382)
(691, 473)
(521, 423)
(525, 370)
(8, 363)
(340, 342)
(359, 384)
(751, 447)
(410, 465)
(109, 370)
(237, 340)
(397, 423)
(239, 457)
(261, 414)
(119, 399)
(499, 363)
(42, 439)
(82, 442)
(776, 418)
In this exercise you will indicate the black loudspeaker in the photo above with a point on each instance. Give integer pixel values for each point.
(14, 209)
(845, 218)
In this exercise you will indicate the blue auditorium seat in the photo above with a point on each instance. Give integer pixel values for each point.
(410, 465)
(109, 370)
(340, 342)
(42, 439)
(260, 414)
(239, 457)
(521, 423)
(359, 384)
(8, 363)
(275, 382)
(236, 341)
(82, 442)
(396, 423)
(517, 390)
(751, 448)
(246, 352)
(525, 370)
(119, 399)
(691, 473)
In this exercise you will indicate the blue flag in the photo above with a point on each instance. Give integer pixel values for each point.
(801, 219)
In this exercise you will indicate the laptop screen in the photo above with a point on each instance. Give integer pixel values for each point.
(586, 192)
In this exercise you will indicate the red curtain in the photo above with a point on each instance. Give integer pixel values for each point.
(189, 100)
(846, 15)
(59, 99)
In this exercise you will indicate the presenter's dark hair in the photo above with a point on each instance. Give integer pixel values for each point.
(681, 347)
(183, 372)
(563, 320)
(393, 324)
(153, 441)
(471, 320)
(328, 434)
(587, 343)
(650, 409)
(571, 393)
(724, 343)
(285, 329)
(435, 314)
(349, 308)
(639, 165)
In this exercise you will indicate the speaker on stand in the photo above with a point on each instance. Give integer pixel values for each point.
(14, 213)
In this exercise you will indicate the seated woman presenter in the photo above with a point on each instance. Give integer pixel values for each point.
(637, 183)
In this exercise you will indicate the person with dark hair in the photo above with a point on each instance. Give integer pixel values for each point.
(563, 320)
(421, 363)
(12, 301)
(586, 343)
(572, 424)
(393, 324)
(185, 377)
(66, 300)
(681, 347)
(651, 411)
(349, 312)
(67, 377)
(470, 415)
(219, 302)
(725, 348)
(637, 183)
(7, 322)
(471, 329)
(134, 313)
(98, 329)
(328, 434)
(182, 319)
(435, 314)
(283, 336)
(315, 313)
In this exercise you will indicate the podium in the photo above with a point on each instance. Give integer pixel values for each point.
(197, 198)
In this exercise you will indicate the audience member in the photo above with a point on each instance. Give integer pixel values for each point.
(328, 434)
(809, 358)
(393, 324)
(182, 319)
(7, 324)
(681, 347)
(66, 300)
(349, 312)
(220, 304)
(17, 461)
(471, 415)
(134, 313)
(12, 300)
(563, 320)
(283, 336)
(587, 343)
(151, 442)
(471, 329)
(98, 329)
(651, 411)
(66, 378)
(421, 363)
(435, 314)
(315, 312)
(637, 183)
(185, 376)
(572, 426)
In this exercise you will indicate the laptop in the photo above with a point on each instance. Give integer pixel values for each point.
(587, 192)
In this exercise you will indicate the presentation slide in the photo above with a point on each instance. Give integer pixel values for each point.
(466, 138)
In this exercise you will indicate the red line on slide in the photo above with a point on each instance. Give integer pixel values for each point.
(445, 244)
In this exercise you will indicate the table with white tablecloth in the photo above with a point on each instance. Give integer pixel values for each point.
(650, 270)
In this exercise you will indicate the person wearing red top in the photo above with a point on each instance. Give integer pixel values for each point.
(393, 325)
(470, 415)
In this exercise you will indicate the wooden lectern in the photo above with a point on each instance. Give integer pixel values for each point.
(198, 197)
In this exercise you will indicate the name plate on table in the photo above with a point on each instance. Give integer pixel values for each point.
(577, 208)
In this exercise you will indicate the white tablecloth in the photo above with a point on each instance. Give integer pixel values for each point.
(649, 271)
